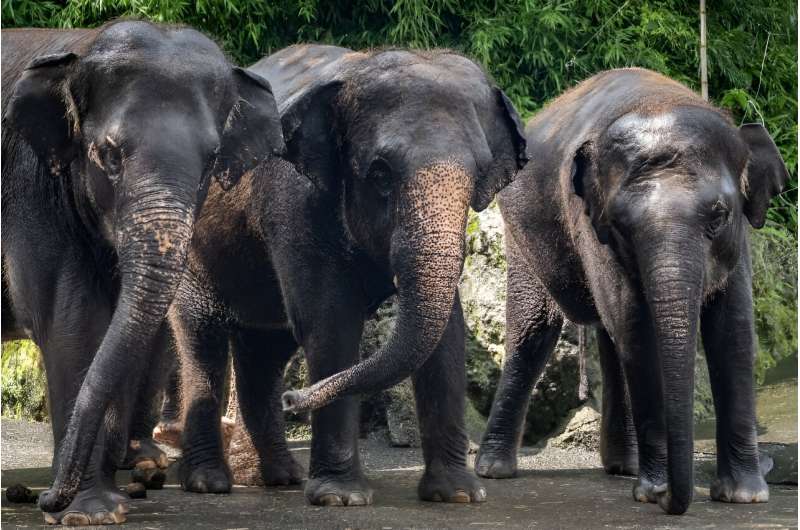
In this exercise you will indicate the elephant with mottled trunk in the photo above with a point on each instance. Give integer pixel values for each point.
(110, 138)
(634, 219)
(393, 147)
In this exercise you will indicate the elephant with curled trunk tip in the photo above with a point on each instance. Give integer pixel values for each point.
(394, 147)
(634, 220)
(110, 137)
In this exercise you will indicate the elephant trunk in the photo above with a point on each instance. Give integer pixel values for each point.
(427, 253)
(152, 248)
(672, 274)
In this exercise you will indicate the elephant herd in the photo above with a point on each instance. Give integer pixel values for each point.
(153, 193)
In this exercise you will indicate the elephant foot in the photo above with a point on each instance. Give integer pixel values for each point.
(442, 483)
(282, 471)
(491, 464)
(149, 463)
(625, 465)
(647, 491)
(93, 506)
(339, 490)
(169, 433)
(206, 478)
(745, 490)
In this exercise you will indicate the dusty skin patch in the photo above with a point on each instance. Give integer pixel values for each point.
(164, 242)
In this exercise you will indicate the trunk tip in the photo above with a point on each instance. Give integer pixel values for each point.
(292, 400)
(674, 505)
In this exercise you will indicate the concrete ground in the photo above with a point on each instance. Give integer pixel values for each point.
(555, 489)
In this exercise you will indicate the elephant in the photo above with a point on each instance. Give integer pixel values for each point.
(388, 150)
(110, 139)
(633, 219)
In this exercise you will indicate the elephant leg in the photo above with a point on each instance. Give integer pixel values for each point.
(260, 358)
(618, 447)
(149, 463)
(635, 346)
(729, 341)
(440, 389)
(169, 429)
(533, 324)
(67, 318)
(203, 348)
(335, 475)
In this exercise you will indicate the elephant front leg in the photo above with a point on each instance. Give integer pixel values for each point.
(203, 347)
(533, 326)
(260, 358)
(440, 390)
(330, 331)
(71, 317)
(618, 450)
(635, 346)
(729, 341)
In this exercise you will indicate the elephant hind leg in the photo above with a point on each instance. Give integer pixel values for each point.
(533, 325)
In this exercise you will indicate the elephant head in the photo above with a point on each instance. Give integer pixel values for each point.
(671, 197)
(410, 142)
(133, 120)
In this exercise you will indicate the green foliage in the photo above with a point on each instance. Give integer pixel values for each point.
(23, 381)
(535, 49)
(774, 255)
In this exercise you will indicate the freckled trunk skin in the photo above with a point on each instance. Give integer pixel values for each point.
(427, 253)
(153, 247)
(672, 274)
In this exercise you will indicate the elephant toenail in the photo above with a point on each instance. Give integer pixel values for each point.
(331, 500)
(480, 495)
(76, 519)
(356, 499)
(460, 496)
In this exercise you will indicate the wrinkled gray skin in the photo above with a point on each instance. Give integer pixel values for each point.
(633, 218)
(394, 147)
(110, 137)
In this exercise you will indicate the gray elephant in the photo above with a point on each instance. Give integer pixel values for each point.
(110, 138)
(633, 218)
(394, 147)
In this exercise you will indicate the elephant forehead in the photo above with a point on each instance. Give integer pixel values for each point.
(175, 50)
(646, 132)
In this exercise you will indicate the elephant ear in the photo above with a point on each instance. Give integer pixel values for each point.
(585, 184)
(252, 130)
(309, 130)
(42, 111)
(766, 173)
(508, 145)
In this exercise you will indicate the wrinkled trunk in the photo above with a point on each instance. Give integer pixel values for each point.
(152, 245)
(672, 273)
(427, 254)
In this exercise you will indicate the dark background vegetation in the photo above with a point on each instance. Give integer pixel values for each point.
(534, 49)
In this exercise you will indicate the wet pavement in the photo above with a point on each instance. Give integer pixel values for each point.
(556, 489)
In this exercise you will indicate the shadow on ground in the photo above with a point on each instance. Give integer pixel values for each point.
(556, 489)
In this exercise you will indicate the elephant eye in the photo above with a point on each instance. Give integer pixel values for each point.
(380, 175)
(719, 218)
(112, 162)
